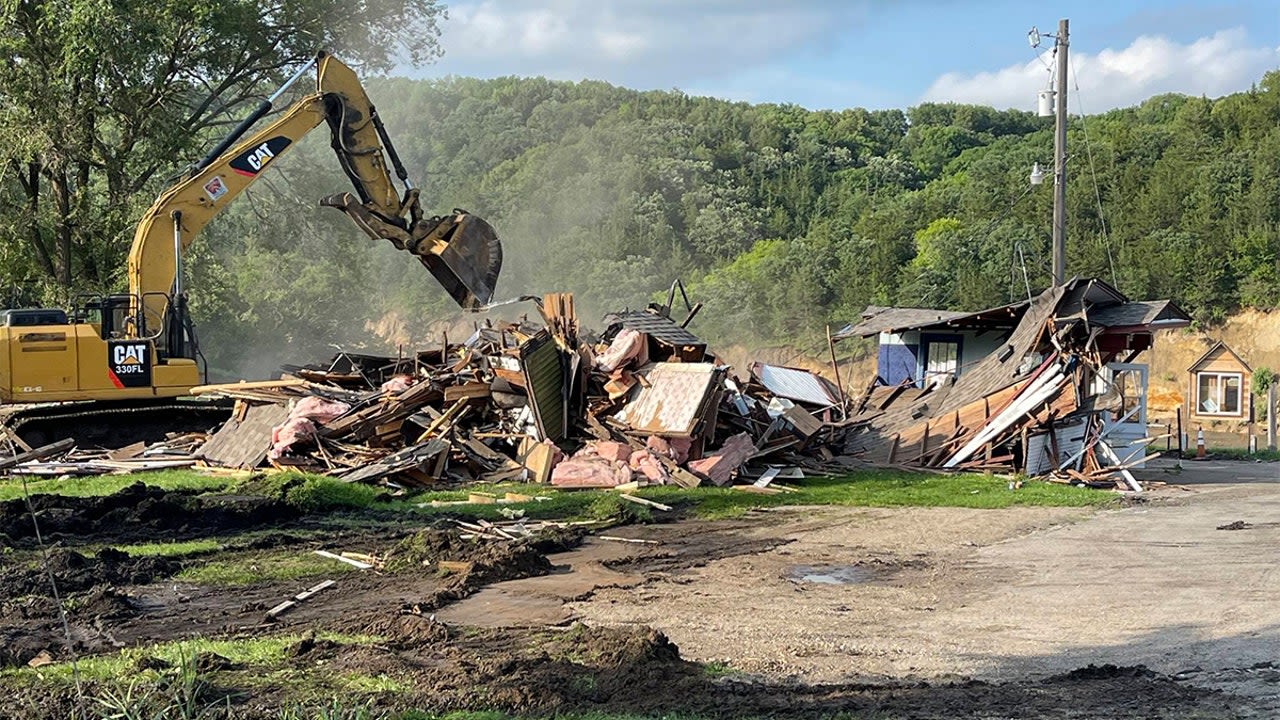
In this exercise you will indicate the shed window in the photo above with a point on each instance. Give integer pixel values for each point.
(1218, 393)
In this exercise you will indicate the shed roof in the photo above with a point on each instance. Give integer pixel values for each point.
(1214, 348)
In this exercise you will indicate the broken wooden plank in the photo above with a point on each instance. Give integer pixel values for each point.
(301, 597)
(254, 385)
(39, 453)
(1129, 479)
(643, 501)
(350, 561)
(638, 541)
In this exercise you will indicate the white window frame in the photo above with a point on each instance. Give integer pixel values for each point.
(1222, 387)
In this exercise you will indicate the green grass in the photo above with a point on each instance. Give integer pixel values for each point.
(91, 486)
(885, 489)
(247, 568)
(256, 652)
(873, 488)
(868, 489)
(310, 493)
(171, 549)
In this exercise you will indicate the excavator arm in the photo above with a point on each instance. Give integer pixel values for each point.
(461, 250)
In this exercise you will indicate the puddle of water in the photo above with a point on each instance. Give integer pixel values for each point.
(830, 574)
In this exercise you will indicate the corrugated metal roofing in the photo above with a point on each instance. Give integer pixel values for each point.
(793, 384)
(674, 399)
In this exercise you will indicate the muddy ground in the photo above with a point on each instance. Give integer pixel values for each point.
(1142, 612)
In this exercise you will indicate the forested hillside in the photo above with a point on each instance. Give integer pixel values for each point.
(778, 218)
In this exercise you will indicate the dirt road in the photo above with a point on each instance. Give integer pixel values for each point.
(835, 594)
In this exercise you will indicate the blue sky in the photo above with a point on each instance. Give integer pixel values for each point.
(867, 53)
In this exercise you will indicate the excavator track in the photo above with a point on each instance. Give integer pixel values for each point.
(111, 424)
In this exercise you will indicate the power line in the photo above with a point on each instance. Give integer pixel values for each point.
(1093, 173)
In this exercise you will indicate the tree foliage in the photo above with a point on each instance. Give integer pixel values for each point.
(781, 220)
(100, 100)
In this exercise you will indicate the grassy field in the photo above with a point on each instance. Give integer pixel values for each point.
(873, 488)
(11, 487)
(153, 680)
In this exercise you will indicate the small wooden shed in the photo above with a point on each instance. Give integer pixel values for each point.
(1219, 386)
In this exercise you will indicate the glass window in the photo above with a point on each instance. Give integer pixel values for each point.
(1218, 393)
(1231, 395)
(942, 359)
(1128, 384)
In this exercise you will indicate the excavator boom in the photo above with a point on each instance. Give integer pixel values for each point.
(138, 351)
(460, 250)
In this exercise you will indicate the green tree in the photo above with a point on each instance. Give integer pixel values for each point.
(99, 101)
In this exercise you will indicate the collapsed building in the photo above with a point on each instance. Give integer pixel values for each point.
(1047, 386)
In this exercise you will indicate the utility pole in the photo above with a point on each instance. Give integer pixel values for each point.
(1060, 161)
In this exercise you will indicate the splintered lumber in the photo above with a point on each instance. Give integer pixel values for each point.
(642, 501)
(39, 453)
(444, 420)
(371, 560)
(350, 561)
(757, 490)
(474, 392)
(127, 452)
(301, 597)
(232, 388)
(638, 541)
(1129, 479)
(1038, 391)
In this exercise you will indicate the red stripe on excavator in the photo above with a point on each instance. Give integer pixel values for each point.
(245, 173)
(115, 380)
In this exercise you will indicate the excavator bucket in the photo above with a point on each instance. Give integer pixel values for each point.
(461, 250)
(465, 256)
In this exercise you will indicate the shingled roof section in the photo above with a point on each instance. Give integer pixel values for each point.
(986, 377)
(877, 319)
(659, 327)
(1133, 314)
(991, 373)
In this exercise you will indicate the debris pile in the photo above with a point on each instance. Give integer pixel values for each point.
(644, 403)
(1054, 392)
(1044, 387)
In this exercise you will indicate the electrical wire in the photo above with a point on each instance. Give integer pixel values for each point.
(1093, 173)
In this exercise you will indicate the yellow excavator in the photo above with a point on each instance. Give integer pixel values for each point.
(126, 355)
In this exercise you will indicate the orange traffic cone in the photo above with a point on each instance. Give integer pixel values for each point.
(1200, 443)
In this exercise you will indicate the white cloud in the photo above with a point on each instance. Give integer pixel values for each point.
(639, 43)
(1215, 65)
